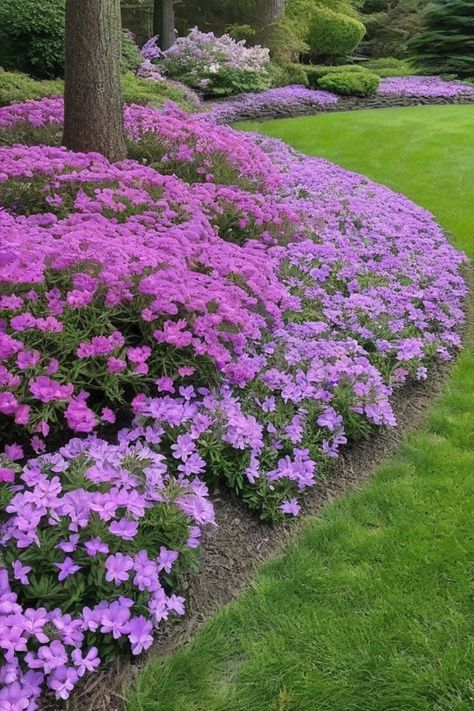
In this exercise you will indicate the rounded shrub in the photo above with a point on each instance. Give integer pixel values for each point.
(318, 71)
(332, 34)
(351, 83)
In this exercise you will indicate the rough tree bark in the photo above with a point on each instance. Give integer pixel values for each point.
(164, 23)
(93, 115)
(271, 10)
(268, 12)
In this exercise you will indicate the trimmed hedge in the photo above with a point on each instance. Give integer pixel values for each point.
(333, 35)
(351, 83)
(315, 72)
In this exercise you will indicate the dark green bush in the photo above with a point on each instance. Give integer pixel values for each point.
(32, 36)
(332, 34)
(288, 73)
(15, 87)
(362, 83)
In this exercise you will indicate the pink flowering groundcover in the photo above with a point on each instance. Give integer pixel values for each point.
(240, 309)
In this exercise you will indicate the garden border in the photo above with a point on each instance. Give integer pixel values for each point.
(345, 103)
(233, 550)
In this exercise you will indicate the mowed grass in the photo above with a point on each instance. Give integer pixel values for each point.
(371, 609)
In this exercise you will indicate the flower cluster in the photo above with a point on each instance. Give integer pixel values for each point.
(424, 86)
(293, 99)
(93, 536)
(215, 65)
(107, 249)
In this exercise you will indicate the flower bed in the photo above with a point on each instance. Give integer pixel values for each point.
(250, 307)
(291, 99)
(423, 86)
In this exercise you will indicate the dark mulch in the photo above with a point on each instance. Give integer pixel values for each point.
(231, 552)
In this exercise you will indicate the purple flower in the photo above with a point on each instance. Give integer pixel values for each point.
(140, 634)
(115, 620)
(62, 681)
(117, 567)
(95, 546)
(66, 568)
(85, 663)
(291, 507)
(166, 559)
(20, 572)
(124, 529)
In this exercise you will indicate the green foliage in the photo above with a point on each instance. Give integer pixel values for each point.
(230, 80)
(287, 73)
(390, 67)
(131, 57)
(315, 72)
(31, 36)
(332, 35)
(145, 91)
(241, 32)
(447, 45)
(351, 83)
(16, 87)
(390, 24)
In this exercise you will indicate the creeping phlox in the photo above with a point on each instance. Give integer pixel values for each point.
(251, 308)
(292, 99)
(92, 537)
(424, 86)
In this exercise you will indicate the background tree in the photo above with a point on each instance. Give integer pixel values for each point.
(447, 45)
(164, 23)
(93, 115)
(390, 25)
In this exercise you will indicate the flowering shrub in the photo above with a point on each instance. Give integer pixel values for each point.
(93, 537)
(423, 86)
(291, 99)
(219, 66)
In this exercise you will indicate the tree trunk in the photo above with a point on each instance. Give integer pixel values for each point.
(271, 10)
(93, 112)
(164, 23)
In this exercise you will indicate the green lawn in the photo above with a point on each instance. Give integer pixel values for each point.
(371, 610)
